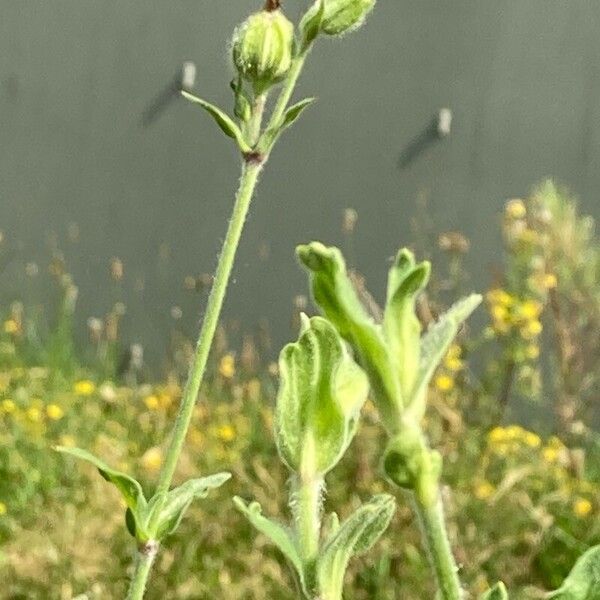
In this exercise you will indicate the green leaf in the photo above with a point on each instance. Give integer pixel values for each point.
(310, 24)
(293, 112)
(498, 592)
(177, 501)
(435, 344)
(583, 582)
(401, 325)
(223, 120)
(355, 536)
(280, 535)
(242, 106)
(130, 490)
(320, 396)
(336, 296)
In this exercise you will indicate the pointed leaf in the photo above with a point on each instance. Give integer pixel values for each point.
(130, 490)
(177, 501)
(334, 293)
(498, 592)
(583, 582)
(223, 120)
(435, 344)
(280, 535)
(293, 112)
(401, 325)
(310, 24)
(355, 536)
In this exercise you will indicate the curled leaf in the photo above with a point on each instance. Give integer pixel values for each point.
(320, 396)
(355, 535)
(130, 490)
(280, 535)
(178, 500)
(336, 296)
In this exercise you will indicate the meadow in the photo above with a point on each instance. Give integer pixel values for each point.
(438, 442)
(521, 497)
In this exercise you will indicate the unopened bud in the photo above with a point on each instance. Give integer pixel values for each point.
(262, 48)
(340, 16)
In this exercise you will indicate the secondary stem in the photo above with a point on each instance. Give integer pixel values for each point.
(143, 564)
(440, 552)
(249, 178)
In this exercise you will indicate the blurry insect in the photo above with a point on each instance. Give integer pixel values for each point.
(437, 129)
(184, 80)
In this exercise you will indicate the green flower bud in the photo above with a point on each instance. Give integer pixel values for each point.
(410, 463)
(320, 396)
(262, 48)
(339, 16)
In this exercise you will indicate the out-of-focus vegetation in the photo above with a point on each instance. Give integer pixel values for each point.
(516, 427)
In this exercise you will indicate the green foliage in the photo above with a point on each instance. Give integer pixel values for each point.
(320, 396)
(353, 537)
(583, 583)
(159, 517)
(224, 121)
(497, 592)
(339, 17)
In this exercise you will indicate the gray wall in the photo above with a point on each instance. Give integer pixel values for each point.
(521, 76)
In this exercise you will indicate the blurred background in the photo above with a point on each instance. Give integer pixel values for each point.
(521, 79)
(439, 126)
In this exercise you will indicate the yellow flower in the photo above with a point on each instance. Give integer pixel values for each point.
(550, 454)
(484, 490)
(497, 435)
(515, 209)
(528, 236)
(582, 507)
(530, 309)
(549, 281)
(499, 312)
(152, 459)
(67, 441)
(11, 326)
(8, 406)
(151, 402)
(499, 296)
(227, 366)
(452, 361)
(226, 433)
(532, 351)
(34, 414)
(532, 439)
(531, 330)
(84, 387)
(54, 412)
(3, 509)
(444, 383)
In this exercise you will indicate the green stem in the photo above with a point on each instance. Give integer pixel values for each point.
(287, 90)
(256, 119)
(432, 520)
(249, 178)
(143, 564)
(306, 506)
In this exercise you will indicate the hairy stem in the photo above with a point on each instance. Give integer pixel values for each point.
(307, 515)
(143, 564)
(249, 178)
(431, 516)
(251, 169)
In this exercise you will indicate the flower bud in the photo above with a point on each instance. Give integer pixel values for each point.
(340, 16)
(262, 48)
